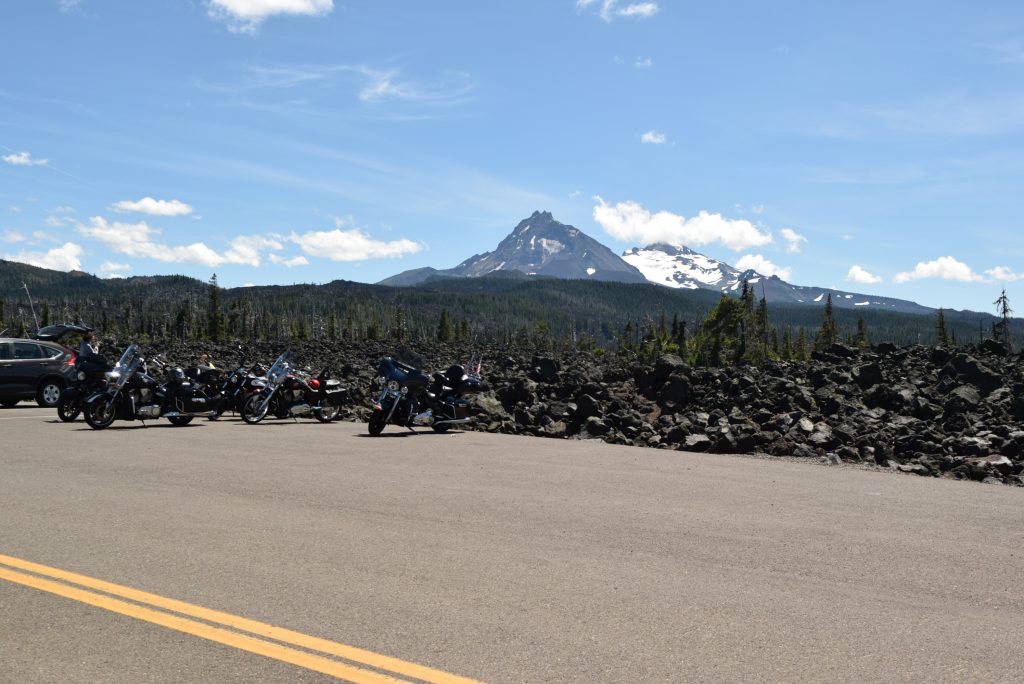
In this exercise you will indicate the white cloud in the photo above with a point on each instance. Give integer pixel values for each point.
(67, 257)
(154, 207)
(24, 159)
(245, 16)
(58, 221)
(653, 138)
(757, 208)
(630, 222)
(68, 5)
(859, 275)
(793, 239)
(609, 9)
(1002, 274)
(944, 268)
(110, 269)
(11, 237)
(643, 63)
(351, 245)
(758, 263)
(63, 210)
(137, 239)
(294, 261)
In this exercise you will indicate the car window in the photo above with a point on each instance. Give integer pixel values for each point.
(50, 352)
(5, 350)
(27, 350)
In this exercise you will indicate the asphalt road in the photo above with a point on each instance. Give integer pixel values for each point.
(499, 558)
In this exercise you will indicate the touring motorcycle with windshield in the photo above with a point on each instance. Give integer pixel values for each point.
(237, 386)
(89, 376)
(288, 391)
(131, 393)
(409, 397)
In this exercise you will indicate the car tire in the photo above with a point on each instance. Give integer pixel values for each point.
(48, 392)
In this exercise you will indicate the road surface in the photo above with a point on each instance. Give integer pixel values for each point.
(167, 554)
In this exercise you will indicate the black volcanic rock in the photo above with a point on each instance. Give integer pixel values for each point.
(538, 246)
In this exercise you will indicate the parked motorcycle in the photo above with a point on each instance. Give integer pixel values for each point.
(88, 377)
(411, 398)
(131, 393)
(237, 386)
(288, 391)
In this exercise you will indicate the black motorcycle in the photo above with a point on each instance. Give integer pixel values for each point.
(410, 398)
(89, 377)
(237, 387)
(288, 391)
(131, 393)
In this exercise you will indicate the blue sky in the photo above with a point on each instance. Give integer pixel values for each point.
(869, 146)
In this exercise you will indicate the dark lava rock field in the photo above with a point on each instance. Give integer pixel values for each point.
(955, 413)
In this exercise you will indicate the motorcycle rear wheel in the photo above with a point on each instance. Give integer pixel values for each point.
(100, 412)
(377, 423)
(326, 414)
(253, 411)
(68, 409)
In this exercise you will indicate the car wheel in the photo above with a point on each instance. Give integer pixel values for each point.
(48, 393)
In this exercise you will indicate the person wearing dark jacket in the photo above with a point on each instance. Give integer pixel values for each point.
(90, 346)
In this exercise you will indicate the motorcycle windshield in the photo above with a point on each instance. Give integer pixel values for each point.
(130, 360)
(279, 371)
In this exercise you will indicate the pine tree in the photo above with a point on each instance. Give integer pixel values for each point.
(787, 343)
(861, 340)
(215, 317)
(444, 327)
(332, 326)
(800, 348)
(46, 315)
(828, 334)
(941, 331)
(1002, 328)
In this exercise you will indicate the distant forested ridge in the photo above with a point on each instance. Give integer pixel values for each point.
(541, 312)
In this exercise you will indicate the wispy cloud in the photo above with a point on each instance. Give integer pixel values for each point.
(67, 257)
(110, 269)
(139, 240)
(857, 274)
(758, 263)
(68, 6)
(245, 16)
(943, 268)
(643, 63)
(351, 244)
(24, 159)
(609, 9)
(629, 221)
(153, 207)
(11, 237)
(792, 238)
(653, 138)
(1003, 274)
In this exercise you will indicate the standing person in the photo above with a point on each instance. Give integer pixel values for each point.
(90, 346)
(205, 361)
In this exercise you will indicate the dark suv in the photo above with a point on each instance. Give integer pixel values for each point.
(36, 369)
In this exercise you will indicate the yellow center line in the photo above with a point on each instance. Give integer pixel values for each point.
(351, 653)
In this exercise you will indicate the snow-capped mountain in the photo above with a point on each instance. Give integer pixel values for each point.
(541, 246)
(681, 267)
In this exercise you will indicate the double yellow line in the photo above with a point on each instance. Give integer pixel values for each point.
(363, 667)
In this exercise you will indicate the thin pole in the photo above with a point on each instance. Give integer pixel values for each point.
(31, 305)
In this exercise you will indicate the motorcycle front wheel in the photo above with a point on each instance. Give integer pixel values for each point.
(377, 423)
(68, 409)
(99, 413)
(255, 409)
(180, 421)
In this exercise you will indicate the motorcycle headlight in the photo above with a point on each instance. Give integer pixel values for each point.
(81, 375)
(381, 380)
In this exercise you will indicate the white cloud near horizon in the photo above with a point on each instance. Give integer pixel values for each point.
(792, 238)
(1003, 274)
(110, 269)
(67, 257)
(153, 207)
(629, 221)
(351, 244)
(24, 159)
(294, 261)
(245, 16)
(653, 137)
(609, 9)
(12, 236)
(138, 240)
(857, 274)
(758, 263)
(943, 268)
